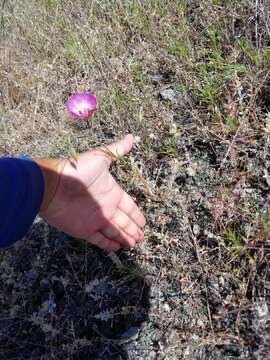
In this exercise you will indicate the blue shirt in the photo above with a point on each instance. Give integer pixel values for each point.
(21, 194)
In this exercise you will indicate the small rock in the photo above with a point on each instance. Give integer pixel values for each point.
(191, 171)
(267, 177)
(137, 139)
(267, 123)
(231, 350)
(262, 310)
(174, 129)
(169, 94)
(196, 229)
(157, 78)
(167, 307)
(221, 280)
(195, 337)
(153, 354)
(161, 346)
(152, 136)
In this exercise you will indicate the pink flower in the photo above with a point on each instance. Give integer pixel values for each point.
(81, 105)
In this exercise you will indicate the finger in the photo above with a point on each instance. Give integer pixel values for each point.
(118, 148)
(127, 225)
(115, 233)
(103, 242)
(129, 207)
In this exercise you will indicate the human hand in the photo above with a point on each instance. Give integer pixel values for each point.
(88, 203)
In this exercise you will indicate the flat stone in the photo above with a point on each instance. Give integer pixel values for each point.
(169, 95)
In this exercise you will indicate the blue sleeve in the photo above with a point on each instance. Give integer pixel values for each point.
(21, 194)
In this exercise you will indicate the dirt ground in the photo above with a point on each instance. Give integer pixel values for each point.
(191, 81)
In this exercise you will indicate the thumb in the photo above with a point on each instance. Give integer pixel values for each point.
(119, 148)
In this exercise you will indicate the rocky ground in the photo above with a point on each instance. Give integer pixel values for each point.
(191, 81)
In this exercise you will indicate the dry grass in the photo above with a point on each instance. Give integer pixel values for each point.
(204, 154)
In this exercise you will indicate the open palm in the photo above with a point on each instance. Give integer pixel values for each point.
(90, 205)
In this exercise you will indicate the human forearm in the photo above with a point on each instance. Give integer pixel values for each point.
(51, 170)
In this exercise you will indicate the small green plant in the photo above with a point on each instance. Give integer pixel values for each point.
(179, 48)
(181, 87)
(136, 71)
(230, 122)
(234, 240)
(220, 2)
(136, 13)
(213, 36)
(130, 271)
(266, 222)
(248, 51)
(266, 54)
(109, 51)
(212, 77)
(51, 4)
(169, 147)
(118, 98)
(206, 87)
(72, 48)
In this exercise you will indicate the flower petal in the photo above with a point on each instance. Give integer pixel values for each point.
(81, 105)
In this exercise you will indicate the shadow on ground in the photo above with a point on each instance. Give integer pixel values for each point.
(63, 299)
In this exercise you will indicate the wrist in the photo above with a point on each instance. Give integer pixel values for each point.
(51, 170)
